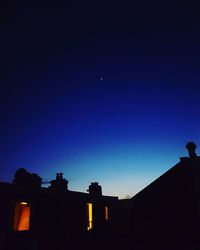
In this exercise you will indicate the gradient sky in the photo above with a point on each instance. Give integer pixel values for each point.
(100, 91)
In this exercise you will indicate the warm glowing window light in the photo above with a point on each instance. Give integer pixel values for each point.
(106, 213)
(23, 203)
(89, 211)
(22, 216)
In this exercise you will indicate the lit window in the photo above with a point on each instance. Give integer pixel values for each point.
(106, 213)
(89, 212)
(22, 216)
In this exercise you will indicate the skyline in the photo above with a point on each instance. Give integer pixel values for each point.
(106, 93)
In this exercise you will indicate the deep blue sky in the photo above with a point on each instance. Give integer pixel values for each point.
(124, 130)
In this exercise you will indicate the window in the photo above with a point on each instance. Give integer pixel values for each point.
(89, 216)
(106, 213)
(22, 216)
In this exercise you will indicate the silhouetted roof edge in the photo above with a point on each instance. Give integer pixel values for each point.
(172, 170)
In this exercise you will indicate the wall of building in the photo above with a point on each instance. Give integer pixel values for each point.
(55, 216)
(167, 212)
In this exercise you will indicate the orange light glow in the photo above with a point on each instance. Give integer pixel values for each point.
(106, 213)
(89, 211)
(22, 216)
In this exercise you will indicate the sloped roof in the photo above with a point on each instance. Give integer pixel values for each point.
(184, 175)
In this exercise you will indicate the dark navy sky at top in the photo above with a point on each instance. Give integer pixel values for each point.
(55, 105)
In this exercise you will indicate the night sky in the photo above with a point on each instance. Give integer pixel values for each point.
(102, 91)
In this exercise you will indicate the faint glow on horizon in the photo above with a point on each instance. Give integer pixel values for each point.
(121, 172)
(122, 169)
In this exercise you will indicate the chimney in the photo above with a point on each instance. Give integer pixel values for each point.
(59, 183)
(26, 179)
(95, 190)
(191, 147)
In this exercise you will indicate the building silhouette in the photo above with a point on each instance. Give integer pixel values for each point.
(164, 215)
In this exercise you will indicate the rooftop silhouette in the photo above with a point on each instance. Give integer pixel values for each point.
(164, 215)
